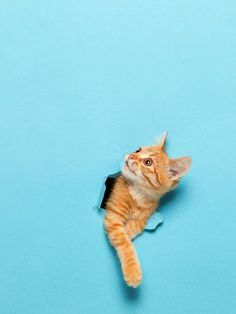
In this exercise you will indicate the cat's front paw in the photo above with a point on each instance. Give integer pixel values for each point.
(133, 275)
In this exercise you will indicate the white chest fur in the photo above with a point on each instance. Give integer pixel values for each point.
(142, 195)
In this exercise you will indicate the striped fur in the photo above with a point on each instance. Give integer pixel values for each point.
(146, 176)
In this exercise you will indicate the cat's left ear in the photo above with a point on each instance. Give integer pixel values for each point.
(177, 168)
(162, 141)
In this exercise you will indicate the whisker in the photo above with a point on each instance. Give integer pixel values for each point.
(118, 149)
(112, 158)
(146, 138)
(149, 139)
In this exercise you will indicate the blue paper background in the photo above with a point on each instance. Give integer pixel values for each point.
(80, 83)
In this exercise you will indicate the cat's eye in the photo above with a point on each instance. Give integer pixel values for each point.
(138, 150)
(147, 162)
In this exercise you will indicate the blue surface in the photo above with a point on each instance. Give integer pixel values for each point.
(80, 83)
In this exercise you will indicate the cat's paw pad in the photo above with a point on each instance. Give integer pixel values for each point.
(133, 276)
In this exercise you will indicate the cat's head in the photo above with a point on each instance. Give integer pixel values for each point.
(151, 167)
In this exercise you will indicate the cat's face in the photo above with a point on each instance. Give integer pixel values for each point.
(151, 167)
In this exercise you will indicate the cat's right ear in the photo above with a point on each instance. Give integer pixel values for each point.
(177, 168)
(162, 140)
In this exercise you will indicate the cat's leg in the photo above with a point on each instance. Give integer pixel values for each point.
(115, 228)
(134, 227)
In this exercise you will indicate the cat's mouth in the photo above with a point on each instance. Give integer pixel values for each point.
(127, 165)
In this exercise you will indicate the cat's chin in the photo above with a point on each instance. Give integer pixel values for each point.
(128, 174)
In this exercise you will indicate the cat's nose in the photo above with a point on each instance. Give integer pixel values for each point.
(131, 156)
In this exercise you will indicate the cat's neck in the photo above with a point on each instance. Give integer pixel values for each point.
(143, 195)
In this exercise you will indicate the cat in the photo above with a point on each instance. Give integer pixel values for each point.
(147, 174)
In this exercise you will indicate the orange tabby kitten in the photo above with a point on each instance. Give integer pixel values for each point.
(146, 176)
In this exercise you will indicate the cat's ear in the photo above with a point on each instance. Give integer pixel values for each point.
(162, 140)
(177, 168)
